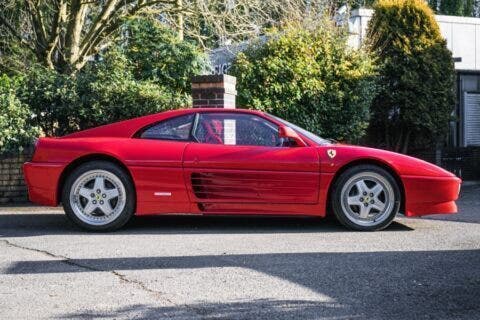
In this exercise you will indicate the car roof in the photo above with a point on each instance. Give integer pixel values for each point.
(239, 110)
(127, 128)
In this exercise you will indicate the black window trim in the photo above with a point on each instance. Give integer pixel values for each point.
(138, 134)
(194, 128)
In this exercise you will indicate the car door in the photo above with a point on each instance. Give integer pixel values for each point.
(239, 159)
(155, 162)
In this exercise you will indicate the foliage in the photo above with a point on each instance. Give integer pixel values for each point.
(147, 74)
(311, 78)
(109, 92)
(65, 34)
(157, 54)
(15, 132)
(214, 23)
(103, 92)
(417, 74)
(52, 97)
(354, 4)
(467, 8)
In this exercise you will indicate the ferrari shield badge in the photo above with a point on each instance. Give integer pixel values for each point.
(331, 153)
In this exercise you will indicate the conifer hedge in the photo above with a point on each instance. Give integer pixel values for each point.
(417, 76)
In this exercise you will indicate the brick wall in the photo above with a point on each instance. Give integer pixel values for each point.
(12, 185)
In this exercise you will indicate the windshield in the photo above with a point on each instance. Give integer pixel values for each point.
(303, 132)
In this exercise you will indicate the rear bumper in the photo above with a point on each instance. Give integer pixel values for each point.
(42, 181)
(430, 195)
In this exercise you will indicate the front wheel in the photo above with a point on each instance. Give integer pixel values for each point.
(98, 196)
(365, 198)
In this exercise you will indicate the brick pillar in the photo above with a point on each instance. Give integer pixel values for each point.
(214, 91)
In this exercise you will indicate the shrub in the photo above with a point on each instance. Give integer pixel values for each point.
(109, 92)
(53, 98)
(311, 78)
(148, 73)
(15, 132)
(105, 91)
(157, 54)
(417, 75)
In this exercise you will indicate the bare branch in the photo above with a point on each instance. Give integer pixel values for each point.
(117, 17)
(101, 20)
(38, 27)
(15, 34)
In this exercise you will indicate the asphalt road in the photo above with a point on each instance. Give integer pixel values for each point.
(240, 268)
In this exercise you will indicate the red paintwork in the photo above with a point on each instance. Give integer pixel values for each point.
(225, 179)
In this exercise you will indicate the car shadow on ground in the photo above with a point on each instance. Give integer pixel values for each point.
(25, 225)
(366, 285)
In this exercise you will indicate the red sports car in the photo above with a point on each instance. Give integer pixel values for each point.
(228, 161)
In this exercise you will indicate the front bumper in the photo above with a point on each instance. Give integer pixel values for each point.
(430, 195)
(42, 181)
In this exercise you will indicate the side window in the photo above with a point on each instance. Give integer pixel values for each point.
(172, 129)
(236, 129)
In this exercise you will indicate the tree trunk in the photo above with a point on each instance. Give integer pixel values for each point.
(73, 36)
(387, 135)
(406, 141)
(179, 8)
(398, 144)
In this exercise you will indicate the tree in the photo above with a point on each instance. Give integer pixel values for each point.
(65, 34)
(467, 8)
(416, 75)
(159, 55)
(108, 92)
(148, 72)
(311, 78)
(216, 23)
(220, 22)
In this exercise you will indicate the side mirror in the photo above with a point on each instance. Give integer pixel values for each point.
(290, 134)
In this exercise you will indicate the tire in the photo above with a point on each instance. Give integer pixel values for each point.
(365, 198)
(99, 196)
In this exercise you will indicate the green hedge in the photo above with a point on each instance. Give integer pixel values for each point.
(417, 80)
(148, 72)
(15, 116)
(311, 78)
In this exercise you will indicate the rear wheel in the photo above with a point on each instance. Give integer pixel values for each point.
(366, 198)
(99, 196)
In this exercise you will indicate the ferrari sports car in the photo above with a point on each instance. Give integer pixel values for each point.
(228, 162)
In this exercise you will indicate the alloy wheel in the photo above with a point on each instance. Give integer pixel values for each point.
(367, 199)
(97, 197)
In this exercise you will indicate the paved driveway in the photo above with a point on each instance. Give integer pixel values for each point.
(240, 268)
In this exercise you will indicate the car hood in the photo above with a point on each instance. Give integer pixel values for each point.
(338, 155)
